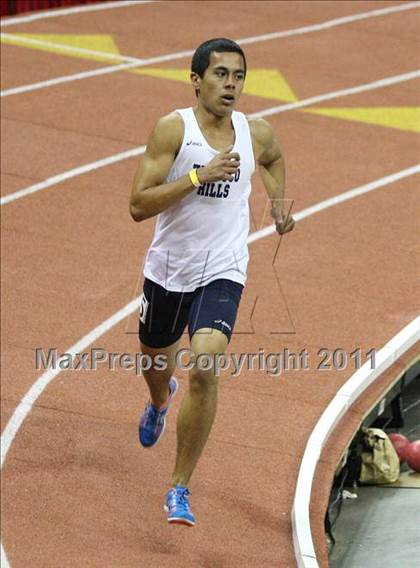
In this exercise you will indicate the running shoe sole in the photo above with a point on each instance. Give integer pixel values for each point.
(178, 520)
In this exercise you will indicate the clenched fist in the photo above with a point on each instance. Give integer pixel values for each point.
(283, 220)
(221, 168)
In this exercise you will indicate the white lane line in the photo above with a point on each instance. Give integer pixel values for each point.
(336, 199)
(73, 173)
(328, 24)
(4, 562)
(141, 149)
(38, 387)
(69, 48)
(68, 11)
(25, 406)
(386, 82)
(94, 73)
(59, 80)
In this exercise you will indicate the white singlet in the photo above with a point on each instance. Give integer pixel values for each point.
(203, 236)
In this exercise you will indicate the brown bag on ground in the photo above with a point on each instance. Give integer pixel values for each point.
(380, 464)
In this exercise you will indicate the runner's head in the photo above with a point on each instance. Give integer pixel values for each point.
(218, 70)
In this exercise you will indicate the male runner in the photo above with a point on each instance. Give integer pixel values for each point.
(195, 175)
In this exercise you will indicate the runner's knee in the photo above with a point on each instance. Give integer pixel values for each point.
(162, 360)
(202, 382)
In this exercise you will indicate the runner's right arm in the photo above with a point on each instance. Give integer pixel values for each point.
(150, 195)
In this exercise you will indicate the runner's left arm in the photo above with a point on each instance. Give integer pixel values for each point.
(272, 170)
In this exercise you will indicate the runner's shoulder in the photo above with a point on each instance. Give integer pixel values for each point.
(261, 131)
(168, 132)
(262, 136)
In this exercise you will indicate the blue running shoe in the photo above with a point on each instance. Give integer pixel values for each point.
(178, 507)
(153, 420)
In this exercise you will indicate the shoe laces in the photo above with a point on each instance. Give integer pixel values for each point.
(181, 497)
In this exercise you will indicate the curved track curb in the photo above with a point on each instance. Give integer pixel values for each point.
(345, 397)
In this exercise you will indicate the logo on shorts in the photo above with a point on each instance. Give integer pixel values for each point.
(223, 323)
(192, 143)
(144, 305)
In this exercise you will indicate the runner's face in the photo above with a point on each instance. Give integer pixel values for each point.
(223, 81)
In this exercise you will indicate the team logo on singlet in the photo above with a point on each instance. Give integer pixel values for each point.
(144, 305)
(216, 189)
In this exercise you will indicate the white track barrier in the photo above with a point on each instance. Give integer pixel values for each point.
(345, 397)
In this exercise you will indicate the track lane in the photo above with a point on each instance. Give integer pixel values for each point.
(84, 211)
(297, 105)
(30, 66)
(79, 406)
(321, 26)
(81, 449)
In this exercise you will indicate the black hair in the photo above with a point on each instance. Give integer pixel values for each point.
(201, 57)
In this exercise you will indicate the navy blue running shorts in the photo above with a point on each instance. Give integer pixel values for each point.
(164, 315)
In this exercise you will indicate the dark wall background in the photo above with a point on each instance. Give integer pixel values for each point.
(9, 7)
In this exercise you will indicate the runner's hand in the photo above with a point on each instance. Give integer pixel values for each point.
(221, 168)
(283, 220)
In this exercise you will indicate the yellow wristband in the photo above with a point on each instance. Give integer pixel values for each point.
(194, 178)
